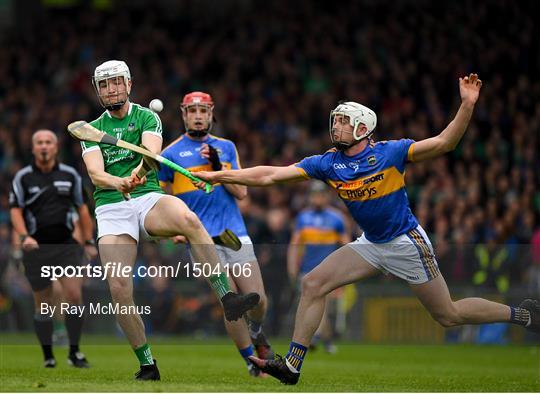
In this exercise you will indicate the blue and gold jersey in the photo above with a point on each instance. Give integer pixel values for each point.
(320, 232)
(217, 210)
(372, 185)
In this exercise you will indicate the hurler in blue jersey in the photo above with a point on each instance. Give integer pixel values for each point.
(198, 150)
(369, 177)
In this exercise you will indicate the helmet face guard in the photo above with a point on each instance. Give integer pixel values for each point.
(355, 115)
(111, 82)
(192, 102)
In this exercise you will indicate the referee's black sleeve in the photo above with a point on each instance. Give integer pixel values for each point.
(16, 194)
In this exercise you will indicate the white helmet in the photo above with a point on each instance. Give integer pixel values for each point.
(111, 69)
(358, 114)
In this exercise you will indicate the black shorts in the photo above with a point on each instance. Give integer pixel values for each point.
(66, 254)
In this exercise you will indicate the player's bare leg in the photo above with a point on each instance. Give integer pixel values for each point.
(253, 283)
(238, 332)
(325, 331)
(72, 294)
(435, 297)
(169, 217)
(122, 250)
(341, 267)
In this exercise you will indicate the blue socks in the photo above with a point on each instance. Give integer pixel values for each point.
(245, 353)
(295, 356)
(520, 316)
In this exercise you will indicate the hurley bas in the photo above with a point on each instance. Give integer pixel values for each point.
(95, 308)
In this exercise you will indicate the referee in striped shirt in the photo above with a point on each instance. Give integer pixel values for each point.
(43, 200)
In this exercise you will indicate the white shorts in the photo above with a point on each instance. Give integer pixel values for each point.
(228, 256)
(126, 217)
(409, 256)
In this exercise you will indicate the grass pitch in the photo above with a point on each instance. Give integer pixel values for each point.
(195, 365)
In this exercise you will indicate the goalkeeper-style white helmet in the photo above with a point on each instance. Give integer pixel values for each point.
(109, 71)
(356, 114)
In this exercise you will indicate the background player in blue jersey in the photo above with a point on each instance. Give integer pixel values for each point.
(369, 177)
(198, 150)
(320, 229)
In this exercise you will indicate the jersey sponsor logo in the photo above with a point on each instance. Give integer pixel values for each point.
(113, 155)
(373, 186)
(185, 153)
(374, 178)
(357, 183)
(340, 166)
(360, 194)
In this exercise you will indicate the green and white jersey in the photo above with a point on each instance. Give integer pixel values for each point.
(119, 161)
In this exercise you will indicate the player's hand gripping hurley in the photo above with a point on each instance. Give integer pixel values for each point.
(84, 131)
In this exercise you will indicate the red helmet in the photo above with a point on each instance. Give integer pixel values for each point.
(194, 98)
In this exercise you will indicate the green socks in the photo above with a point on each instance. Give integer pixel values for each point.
(220, 284)
(144, 355)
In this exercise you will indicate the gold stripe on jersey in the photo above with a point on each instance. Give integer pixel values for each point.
(370, 187)
(302, 172)
(312, 235)
(410, 153)
(181, 184)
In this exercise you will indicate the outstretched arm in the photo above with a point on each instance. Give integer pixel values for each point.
(447, 140)
(255, 176)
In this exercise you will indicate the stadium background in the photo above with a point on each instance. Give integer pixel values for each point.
(275, 69)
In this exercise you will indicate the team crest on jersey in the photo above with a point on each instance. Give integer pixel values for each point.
(131, 126)
(371, 160)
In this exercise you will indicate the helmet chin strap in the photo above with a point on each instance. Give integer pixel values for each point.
(197, 133)
(340, 145)
(114, 107)
(343, 146)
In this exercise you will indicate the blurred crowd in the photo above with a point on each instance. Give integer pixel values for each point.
(275, 69)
